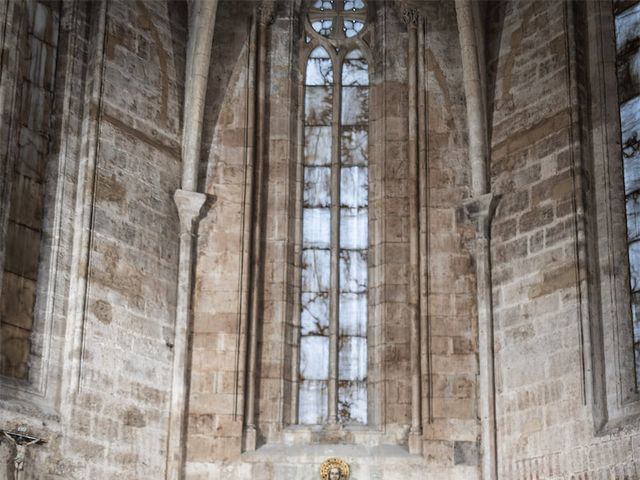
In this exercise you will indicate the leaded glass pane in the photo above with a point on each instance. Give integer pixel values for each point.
(355, 105)
(353, 5)
(323, 4)
(352, 27)
(352, 358)
(637, 353)
(355, 146)
(312, 402)
(315, 314)
(318, 106)
(633, 216)
(315, 270)
(635, 310)
(353, 271)
(634, 264)
(319, 68)
(630, 123)
(317, 146)
(316, 227)
(355, 70)
(628, 47)
(352, 402)
(353, 186)
(627, 27)
(314, 357)
(323, 26)
(354, 228)
(317, 187)
(353, 314)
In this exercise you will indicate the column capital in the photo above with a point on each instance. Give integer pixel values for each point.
(191, 206)
(266, 12)
(410, 16)
(479, 210)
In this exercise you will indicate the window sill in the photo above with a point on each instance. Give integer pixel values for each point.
(290, 454)
(626, 424)
(365, 435)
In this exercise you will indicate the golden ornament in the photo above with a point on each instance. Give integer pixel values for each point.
(332, 467)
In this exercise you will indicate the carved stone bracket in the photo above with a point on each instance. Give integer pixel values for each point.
(409, 15)
(480, 211)
(191, 206)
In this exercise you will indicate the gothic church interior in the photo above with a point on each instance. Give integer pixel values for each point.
(320, 239)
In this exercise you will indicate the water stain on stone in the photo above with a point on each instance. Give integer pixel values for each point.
(103, 311)
(145, 21)
(133, 417)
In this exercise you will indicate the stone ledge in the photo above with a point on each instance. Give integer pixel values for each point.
(277, 462)
(316, 453)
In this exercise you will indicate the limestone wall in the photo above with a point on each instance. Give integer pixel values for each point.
(103, 300)
(116, 425)
(218, 389)
(540, 154)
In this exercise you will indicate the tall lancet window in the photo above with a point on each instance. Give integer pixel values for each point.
(335, 239)
(627, 20)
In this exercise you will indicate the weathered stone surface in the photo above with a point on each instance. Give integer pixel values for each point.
(544, 164)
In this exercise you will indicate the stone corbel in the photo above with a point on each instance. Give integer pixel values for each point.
(191, 208)
(480, 210)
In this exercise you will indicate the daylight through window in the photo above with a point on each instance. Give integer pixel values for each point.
(333, 317)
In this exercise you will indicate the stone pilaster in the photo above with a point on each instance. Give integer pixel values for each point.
(411, 17)
(191, 206)
(479, 211)
(265, 17)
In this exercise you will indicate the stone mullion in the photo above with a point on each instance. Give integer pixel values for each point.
(334, 304)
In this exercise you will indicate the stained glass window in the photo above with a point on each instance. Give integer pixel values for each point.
(335, 221)
(628, 67)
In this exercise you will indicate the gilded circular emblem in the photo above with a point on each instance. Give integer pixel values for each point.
(334, 469)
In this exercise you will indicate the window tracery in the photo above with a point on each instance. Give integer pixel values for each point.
(333, 317)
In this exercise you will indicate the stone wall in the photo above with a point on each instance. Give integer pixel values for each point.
(452, 427)
(26, 183)
(116, 424)
(219, 376)
(215, 403)
(547, 244)
(545, 423)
